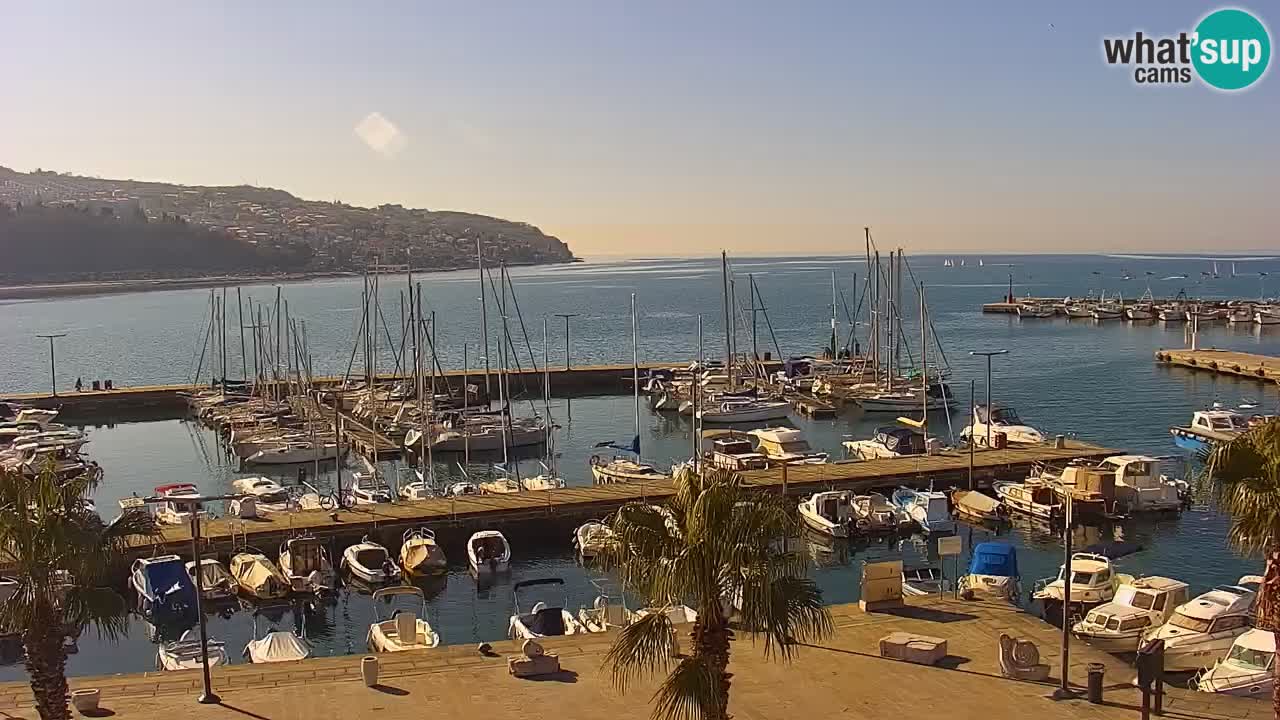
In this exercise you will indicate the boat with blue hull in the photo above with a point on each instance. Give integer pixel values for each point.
(1208, 429)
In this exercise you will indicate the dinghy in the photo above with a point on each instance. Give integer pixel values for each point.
(421, 555)
(405, 629)
(542, 620)
(370, 562)
(185, 653)
(488, 551)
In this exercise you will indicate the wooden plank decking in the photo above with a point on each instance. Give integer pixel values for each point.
(1264, 368)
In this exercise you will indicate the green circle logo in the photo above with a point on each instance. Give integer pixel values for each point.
(1232, 49)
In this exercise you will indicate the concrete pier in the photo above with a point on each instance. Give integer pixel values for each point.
(1264, 368)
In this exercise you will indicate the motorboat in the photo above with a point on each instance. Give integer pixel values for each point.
(786, 445)
(293, 452)
(421, 555)
(258, 577)
(829, 512)
(172, 511)
(744, 410)
(1203, 630)
(604, 615)
(939, 398)
(1267, 317)
(923, 580)
(1035, 311)
(975, 505)
(1077, 310)
(993, 572)
(1141, 312)
(1205, 314)
(1000, 420)
(370, 562)
(461, 488)
(732, 450)
(277, 646)
(926, 508)
(501, 485)
(367, 489)
(1107, 311)
(543, 481)
(405, 629)
(622, 469)
(216, 583)
(1248, 670)
(416, 490)
(163, 586)
(268, 495)
(187, 653)
(305, 563)
(873, 513)
(677, 614)
(1093, 582)
(592, 538)
(39, 416)
(1117, 626)
(542, 620)
(1171, 313)
(1141, 487)
(488, 551)
(1029, 498)
(1208, 429)
(1090, 488)
(1242, 315)
(892, 442)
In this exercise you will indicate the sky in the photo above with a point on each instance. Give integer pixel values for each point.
(663, 127)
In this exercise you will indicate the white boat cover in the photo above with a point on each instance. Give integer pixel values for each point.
(978, 502)
(279, 646)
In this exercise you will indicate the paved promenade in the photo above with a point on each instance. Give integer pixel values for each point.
(843, 677)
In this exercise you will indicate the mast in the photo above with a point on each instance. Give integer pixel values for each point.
(696, 397)
(484, 323)
(244, 361)
(871, 307)
(222, 320)
(635, 373)
(728, 330)
(835, 352)
(924, 367)
(546, 370)
(503, 401)
(755, 351)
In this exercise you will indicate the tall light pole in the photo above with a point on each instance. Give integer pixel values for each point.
(566, 317)
(987, 354)
(53, 368)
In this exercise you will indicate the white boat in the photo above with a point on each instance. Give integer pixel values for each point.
(367, 489)
(1117, 626)
(1034, 499)
(591, 538)
(1267, 317)
(1002, 420)
(175, 512)
(1171, 313)
(923, 580)
(269, 496)
(993, 572)
(544, 481)
(604, 615)
(940, 398)
(305, 563)
(742, 410)
(1093, 582)
(1205, 314)
(218, 584)
(461, 489)
(483, 434)
(975, 505)
(1208, 429)
(542, 620)
(416, 490)
(677, 614)
(1035, 311)
(622, 469)
(1141, 487)
(1240, 315)
(872, 513)
(1078, 310)
(186, 653)
(421, 555)
(488, 551)
(278, 646)
(294, 452)
(405, 629)
(892, 442)
(1140, 312)
(1201, 631)
(499, 486)
(370, 562)
(829, 512)
(784, 444)
(1107, 311)
(1248, 670)
(258, 577)
(926, 508)
(39, 416)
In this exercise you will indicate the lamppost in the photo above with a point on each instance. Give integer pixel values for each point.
(566, 317)
(53, 373)
(987, 354)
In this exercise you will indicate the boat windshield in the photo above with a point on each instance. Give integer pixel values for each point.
(1187, 622)
(1250, 658)
(1078, 578)
(279, 496)
(795, 446)
(1143, 600)
(1005, 416)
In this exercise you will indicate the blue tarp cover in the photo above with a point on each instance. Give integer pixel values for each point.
(992, 558)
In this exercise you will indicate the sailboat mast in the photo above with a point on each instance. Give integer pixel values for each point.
(755, 351)
(728, 329)
(635, 372)
(244, 361)
(546, 370)
(222, 319)
(924, 367)
(834, 342)
(695, 396)
(484, 324)
(502, 373)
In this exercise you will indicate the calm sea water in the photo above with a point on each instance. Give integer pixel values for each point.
(1097, 381)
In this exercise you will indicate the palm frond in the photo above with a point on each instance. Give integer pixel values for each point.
(785, 610)
(690, 692)
(645, 646)
(1243, 478)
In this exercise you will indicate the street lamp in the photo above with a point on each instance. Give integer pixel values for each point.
(987, 354)
(566, 317)
(53, 374)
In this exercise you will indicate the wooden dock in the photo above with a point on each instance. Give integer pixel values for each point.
(540, 515)
(1264, 368)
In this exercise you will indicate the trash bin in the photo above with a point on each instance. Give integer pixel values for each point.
(1096, 671)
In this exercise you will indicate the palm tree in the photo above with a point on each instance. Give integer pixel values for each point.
(715, 545)
(1243, 477)
(62, 556)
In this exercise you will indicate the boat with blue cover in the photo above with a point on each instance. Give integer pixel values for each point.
(993, 572)
(164, 588)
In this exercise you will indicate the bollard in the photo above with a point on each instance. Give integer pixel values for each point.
(1096, 671)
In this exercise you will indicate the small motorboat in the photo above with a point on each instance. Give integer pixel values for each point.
(405, 629)
(1117, 626)
(186, 653)
(1093, 582)
(892, 442)
(461, 489)
(1201, 631)
(258, 577)
(604, 615)
(305, 562)
(993, 572)
(277, 646)
(176, 512)
(874, 514)
(829, 512)
(268, 496)
(622, 469)
(939, 399)
(743, 410)
(923, 580)
(163, 586)
(677, 614)
(592, 538)
(1208, 429)
(545, 481)
(1242, 315)
(370, 562)
(1171, 313)
(1137, 313)
(977, 506)
(1140, 485)
(1107, 311)
(1267, 317)
(488, 551)
(294, 452)
(1035, 311)
(927, 508)
(218, 584)
(542, 620)
(421, 555)
(368, 489)
(787, 445)
(1029, 498)
(1248, 670)
(1003, 421)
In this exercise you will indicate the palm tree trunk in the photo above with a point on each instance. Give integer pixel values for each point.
(711, 636)
(46, 666)
(1268, 612)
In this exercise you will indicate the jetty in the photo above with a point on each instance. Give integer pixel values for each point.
(1264, 368)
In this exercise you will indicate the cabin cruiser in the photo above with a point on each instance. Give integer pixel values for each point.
(1091, 489)
(1141, 487)
(488, 551)
(421, 555)
(926, 508)
(163, 586)
(939, 397)
(592, 538)
(622, 469)
(542, 620)
(175, 512)
(1093, 582)
(923, 580)
(216, 583)
(829, 512)
(741, 410)
(1201, 631)
(405, 629)
(732, 450)
(258, 577)
(1248, 670)
(786, 445)
(1117, 626)
(993, 572)
(305, 562)
(370, 562)
(269, 496)
(187, 653)
(872, 513)
(1002, 420)
(975, 505)
(892, 442)
(1208, 429)
(1029, 498)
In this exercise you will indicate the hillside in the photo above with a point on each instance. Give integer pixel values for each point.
(64, 228)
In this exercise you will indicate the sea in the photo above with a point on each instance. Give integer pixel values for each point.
(1094, 380)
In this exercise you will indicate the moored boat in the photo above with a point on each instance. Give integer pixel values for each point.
(1202, 630)
(926, 508)
(975, 505)
(405, 629)
(1248, 670)
(187, 653)
(488, 551)
(829, 512)
(543, 619)
(370, 562)
(1034, 499)
(421, 555)
(993, 572)
(1117, 626)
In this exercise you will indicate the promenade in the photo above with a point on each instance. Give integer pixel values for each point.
(842, 676)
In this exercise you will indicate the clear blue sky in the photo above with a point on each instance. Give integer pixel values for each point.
(665, 127)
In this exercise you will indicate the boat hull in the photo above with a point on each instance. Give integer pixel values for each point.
(1117, 643)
